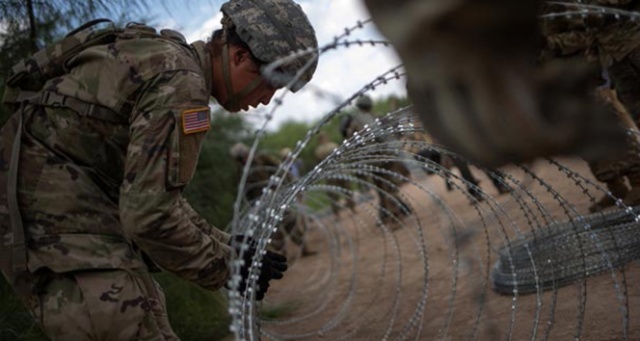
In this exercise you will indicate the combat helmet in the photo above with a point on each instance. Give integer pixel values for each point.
(364, 102)
(273, 29)
(239, 151)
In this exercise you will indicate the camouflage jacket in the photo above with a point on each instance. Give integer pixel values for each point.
(604, 37)
(95, 194)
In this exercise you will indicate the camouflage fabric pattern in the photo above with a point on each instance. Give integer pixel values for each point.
(626, 77)
(273, 29)
(627, 164)
(95, 195)
(615, 45)
(50, 61)
(387, 185)
(475, 88)
(322, 151)
(105, 305)
(609, 40)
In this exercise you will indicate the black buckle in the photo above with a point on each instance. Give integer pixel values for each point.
(53, 99)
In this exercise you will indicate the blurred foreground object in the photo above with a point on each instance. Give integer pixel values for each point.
(472, 74)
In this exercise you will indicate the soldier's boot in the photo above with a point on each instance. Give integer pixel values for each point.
(335, 208)
(405, 209)
(617, 188)
(306, 252)
(448, 185)
(475, 192)
(351, 204)
(502, 187)
(633, 197)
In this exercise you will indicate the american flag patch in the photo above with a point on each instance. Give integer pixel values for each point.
(195, 120)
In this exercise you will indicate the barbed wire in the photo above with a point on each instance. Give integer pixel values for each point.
(430, 252)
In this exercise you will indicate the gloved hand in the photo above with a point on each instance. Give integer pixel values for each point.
(273, 265)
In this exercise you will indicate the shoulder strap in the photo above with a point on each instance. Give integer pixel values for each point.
(18, 247)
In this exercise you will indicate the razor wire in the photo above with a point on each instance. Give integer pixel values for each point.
(460, 263)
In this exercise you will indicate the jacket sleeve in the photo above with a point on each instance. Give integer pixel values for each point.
(160, 161)
(203, 225)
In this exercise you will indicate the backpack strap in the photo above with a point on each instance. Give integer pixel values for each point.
(18, 246)
(56, 100)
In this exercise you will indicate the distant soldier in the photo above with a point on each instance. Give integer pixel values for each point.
(448, 162)
(323, 150)
(296, 167)
(263, 166)
(387, 185)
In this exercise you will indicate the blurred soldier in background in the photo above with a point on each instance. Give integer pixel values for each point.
(296, 167)
(448, 162)
(105, 134)
(387, 185)
(323, 150)
(262, 167)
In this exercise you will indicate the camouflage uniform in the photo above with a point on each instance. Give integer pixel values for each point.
(322, 151)
(615, 45)
(99, 199)
(387, 186)
(475, 86)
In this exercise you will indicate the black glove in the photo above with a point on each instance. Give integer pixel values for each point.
(273, 265)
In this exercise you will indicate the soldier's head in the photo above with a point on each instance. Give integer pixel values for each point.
(284, 152)
(364, 103)
(254, 34)
(322, 138)
(239, 152)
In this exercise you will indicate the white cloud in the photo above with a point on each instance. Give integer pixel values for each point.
(340, 72)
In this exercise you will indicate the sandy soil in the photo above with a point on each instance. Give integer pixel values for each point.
(430, 278)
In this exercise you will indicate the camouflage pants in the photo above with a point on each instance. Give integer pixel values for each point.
(607, 170)
(388, 186)
(100, 305)
(335, 197)
(625, 163)
(288, 227)
(625, 76)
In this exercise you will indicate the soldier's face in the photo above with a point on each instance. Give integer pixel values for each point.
(244, 70)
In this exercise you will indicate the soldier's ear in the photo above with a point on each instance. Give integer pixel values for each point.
(240, 55)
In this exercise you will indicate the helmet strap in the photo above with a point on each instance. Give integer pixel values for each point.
(234, 99)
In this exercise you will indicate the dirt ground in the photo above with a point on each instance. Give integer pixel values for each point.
(430, 278)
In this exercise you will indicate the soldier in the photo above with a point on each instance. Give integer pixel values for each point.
(448, 161)
(387, 186)
(476, 87)
(614, 46)
(262, 167)
(94, 160)
(323, 150)
(296, 167)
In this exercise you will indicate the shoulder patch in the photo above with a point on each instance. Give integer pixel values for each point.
(195, 120)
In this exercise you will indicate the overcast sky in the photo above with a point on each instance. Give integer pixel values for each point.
(340, 72)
